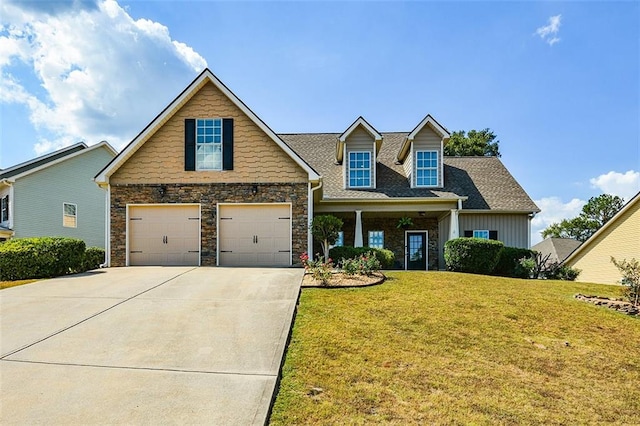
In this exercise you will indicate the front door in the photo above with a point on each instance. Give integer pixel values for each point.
(416, 258)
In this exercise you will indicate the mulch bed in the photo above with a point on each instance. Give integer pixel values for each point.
(619, 305)
(342, 280)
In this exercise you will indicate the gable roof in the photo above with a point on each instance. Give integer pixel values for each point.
(427, 121)
(47, 160)
(559, 248)
(205, 77)
(360, 122)
(482, 182)
(613, 222)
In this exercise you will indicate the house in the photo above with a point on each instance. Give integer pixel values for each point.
(207, 182)
(556, 248)
(54, 195)
(619, 237)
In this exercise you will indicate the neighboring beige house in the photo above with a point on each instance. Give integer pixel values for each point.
(207, 182)
(619, 237)
(55, 195)
(556, 248)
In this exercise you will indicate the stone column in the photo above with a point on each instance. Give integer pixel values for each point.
(358, 239)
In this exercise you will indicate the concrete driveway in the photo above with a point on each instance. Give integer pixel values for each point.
(145, 345)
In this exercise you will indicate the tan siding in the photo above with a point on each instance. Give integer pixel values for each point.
(443, 236)
(513, 229)
(428, 140)
(621, 240)
(257, 158)
(360, 140)
(408, 167)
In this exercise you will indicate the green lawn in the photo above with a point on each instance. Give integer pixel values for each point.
(446, 348)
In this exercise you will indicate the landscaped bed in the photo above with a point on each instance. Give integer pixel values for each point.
(447, 348)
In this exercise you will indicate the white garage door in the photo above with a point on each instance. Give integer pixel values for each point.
(254, 235)
(164, 235)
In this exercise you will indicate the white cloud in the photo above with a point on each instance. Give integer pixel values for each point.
(624, 185)
(553, 210)
(549, 32)
(96, 73)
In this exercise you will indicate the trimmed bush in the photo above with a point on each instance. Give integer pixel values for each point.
(508, 264)
(384, 256)
(472, 255)
(43, 257)
(93, 258)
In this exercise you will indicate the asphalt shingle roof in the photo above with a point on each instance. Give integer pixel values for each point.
(485, 180)
(40, 161)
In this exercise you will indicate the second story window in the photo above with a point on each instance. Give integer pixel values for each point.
(359, 169)
(426, 168)
(209, 144)
(4, 215)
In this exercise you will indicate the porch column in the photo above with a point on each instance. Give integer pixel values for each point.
(358, 239)
(454, 231)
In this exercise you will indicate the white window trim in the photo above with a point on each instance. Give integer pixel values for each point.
(369, 238)
(64, 214)
(481, 230)
(371, 177)
(415, 168)
(202, 143)
(7, 208)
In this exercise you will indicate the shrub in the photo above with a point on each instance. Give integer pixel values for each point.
(508, 264)
(43, 257)
(319, 270)
(365, 264)
(561, 272)
(538, 266)
(630, 271)
(93, 258)
(386, 257)
(473, 255)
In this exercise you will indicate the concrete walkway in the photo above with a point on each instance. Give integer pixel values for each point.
(145, 345)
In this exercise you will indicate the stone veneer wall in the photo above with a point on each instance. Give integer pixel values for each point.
(208, 195)
(394, 237)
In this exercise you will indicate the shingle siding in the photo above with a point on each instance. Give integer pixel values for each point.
(38, 199)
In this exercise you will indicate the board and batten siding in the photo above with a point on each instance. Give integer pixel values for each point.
(360, 140)
(38, 199)
(513, 229)
(621, 240)
(427, 140)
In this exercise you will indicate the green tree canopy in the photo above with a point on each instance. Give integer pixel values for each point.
(476, 143)
(598, 211)
(325, 229)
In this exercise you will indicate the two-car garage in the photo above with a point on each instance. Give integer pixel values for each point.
(247, 234)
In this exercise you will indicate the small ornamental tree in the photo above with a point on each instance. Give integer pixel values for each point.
(325, 229)
(630, 270)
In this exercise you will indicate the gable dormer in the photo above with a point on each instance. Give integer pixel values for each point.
(357, 150)
(421, 154)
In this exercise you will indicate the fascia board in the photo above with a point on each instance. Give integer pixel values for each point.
(360, 121)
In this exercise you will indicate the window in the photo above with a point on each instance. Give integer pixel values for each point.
(359, 169)
(481, 234)
(426, 168)
(340, 241)
(4, 211)
(69, 215)
(376, 239)
(209, 144)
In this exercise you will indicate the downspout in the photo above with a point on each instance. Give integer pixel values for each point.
(310, 218)
(107, 228)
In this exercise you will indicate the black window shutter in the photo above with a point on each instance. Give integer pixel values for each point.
(227, 144)
(493, 235)
(189, 144)
(468, 234)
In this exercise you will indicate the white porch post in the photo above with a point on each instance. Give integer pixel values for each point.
(454, 231)
(358, 239)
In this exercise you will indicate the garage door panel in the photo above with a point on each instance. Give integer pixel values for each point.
(164, 235)
(254, 235)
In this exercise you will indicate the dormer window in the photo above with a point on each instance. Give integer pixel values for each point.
(426, 168)
(359, 169)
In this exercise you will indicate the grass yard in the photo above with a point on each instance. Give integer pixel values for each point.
(7, 284)
(447, 348)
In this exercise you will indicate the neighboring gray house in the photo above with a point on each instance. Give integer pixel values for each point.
(558, 249)
(55, 195)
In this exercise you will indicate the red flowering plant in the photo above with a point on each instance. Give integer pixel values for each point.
(319, 270)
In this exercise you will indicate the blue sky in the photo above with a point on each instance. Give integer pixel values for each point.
(558, 82)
